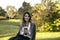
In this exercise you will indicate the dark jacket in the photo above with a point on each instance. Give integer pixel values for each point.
(33, 31)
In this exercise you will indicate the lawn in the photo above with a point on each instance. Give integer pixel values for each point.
(9, 28)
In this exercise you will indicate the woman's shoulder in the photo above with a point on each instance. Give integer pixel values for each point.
(33, 23)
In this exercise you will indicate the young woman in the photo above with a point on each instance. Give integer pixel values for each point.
(27, 29)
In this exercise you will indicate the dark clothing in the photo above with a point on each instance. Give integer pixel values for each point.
(20, 37)
(33, 34)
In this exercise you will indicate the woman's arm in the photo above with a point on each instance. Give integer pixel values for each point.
(34, 32)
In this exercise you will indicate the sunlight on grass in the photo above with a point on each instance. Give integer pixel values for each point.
(14, 20)
(5, 38)
(47, 35)
(11, 20)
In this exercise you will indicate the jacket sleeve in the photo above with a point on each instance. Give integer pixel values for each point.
(18, 34)
(33, 32)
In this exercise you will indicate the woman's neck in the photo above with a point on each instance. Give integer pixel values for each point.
(27, 23)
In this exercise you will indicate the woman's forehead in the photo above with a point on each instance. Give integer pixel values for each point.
(26, 14)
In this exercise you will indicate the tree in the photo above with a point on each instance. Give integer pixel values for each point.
(2, 12)
(44, 14)
(11, 12)
(25, 7)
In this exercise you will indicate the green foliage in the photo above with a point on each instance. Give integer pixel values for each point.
(25, 7)
(2, 12)
(57, 25)
(44, 16)
(11, 12)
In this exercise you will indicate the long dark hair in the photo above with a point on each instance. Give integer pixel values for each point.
(23, 20)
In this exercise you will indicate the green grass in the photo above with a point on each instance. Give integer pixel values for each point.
(48, 36)
(9, 28)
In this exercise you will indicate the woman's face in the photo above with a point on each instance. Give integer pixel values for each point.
(26, 17)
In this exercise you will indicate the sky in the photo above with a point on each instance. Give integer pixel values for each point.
(17, 3)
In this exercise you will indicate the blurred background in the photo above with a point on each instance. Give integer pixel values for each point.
(45, 14)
